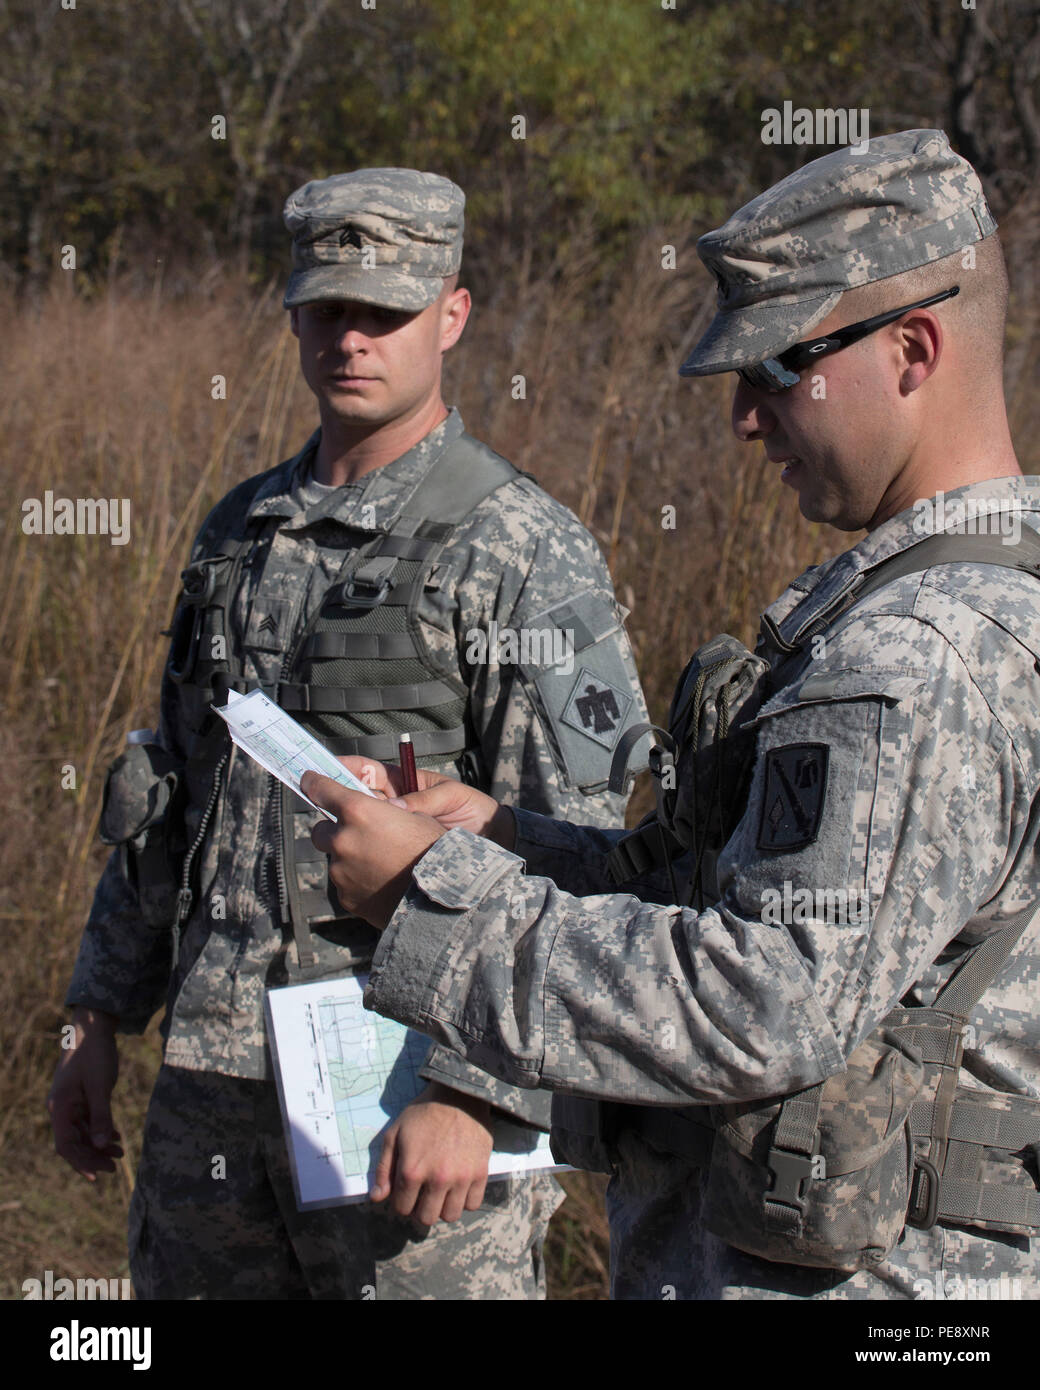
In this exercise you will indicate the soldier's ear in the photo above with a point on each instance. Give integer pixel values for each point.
(455, 309)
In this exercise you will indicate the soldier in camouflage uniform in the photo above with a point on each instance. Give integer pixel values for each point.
(393, 576)
(898, 757)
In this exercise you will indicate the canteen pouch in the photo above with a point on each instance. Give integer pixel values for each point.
(822, 1177)
(140, 814)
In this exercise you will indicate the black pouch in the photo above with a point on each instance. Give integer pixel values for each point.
(581, 1133)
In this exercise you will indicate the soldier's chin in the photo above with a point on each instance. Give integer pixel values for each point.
(808, 508)
(815, 510)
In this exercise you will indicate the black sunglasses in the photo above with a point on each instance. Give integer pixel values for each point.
(780, 373)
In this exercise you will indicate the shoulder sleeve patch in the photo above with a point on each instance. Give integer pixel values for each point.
(587, 699)
(795, 790)
(596, 708)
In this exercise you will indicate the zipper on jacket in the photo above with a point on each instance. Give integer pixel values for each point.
(185, 897)
(279, 863)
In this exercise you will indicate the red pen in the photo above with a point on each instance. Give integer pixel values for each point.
(406, 756)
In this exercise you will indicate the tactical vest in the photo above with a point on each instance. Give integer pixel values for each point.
(359, 675)
(905, 1143)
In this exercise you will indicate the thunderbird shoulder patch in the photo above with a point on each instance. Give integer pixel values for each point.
(792, 801)
(596, 708)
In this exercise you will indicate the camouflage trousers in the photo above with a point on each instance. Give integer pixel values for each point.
(213, 1215)
(660, 1249)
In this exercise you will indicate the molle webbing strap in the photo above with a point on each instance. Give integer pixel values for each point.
(972, 1123)
(944, 548)
(360, 646)
(952, 549)
(337, 700)
(365, 632)
(429, 743)
(650, 843)
(404, 547)
(965, 989)
(790, 1160)
(466, 474)
(981, 1122)
(619, 775)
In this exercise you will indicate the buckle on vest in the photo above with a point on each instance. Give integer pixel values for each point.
(369, 585)
(790, 1171)
(200, 580)
(364, 593)
(926, 1219)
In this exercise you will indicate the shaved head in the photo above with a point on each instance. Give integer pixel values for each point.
(976, 317)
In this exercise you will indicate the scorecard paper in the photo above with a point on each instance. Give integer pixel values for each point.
(282, 746)
(343, 1074)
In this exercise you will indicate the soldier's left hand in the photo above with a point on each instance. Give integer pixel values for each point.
(372, 848)
(434, 1159)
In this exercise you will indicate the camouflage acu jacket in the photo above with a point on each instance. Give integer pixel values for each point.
(518, 557)
(919, 717)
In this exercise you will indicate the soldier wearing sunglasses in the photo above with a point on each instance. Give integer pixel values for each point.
(783, 371)
(862, 302)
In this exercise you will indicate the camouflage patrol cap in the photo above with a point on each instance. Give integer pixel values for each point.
(783, 260)
(380, 236)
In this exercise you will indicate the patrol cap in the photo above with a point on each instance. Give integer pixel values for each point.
(783, 260)
(380, 236)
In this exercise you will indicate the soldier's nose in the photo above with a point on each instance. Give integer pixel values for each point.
(751, 417)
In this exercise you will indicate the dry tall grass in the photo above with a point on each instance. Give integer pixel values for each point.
(111, 396)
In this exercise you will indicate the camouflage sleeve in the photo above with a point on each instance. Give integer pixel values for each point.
(553, 685)
(553, 681)
(123, 965)
(859, 796)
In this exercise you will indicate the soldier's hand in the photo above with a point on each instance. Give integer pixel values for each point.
(434, 1160)
(453, 804)
(388, 778)
(80, 1098)
(372, 848)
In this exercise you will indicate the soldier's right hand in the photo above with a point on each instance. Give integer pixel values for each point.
(80, 1098)
(454, 804)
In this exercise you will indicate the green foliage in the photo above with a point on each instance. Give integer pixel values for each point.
(636, 115)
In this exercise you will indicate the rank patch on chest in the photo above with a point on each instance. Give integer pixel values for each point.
(267, 624)
(597, 708)
(792, 801)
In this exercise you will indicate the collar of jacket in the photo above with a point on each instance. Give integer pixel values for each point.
(823, 585)
(386, 489)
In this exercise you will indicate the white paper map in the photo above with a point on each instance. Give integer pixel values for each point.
(275, 740)
(345, 1072)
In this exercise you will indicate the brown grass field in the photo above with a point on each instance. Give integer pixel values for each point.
(109, 394)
